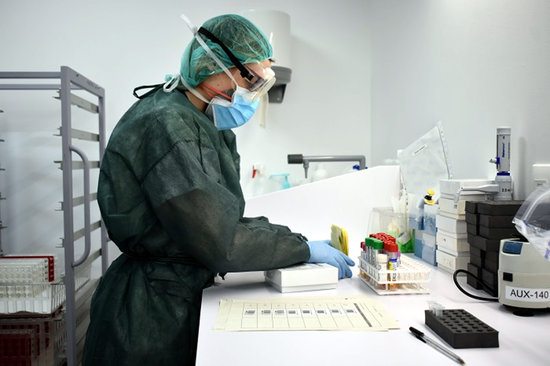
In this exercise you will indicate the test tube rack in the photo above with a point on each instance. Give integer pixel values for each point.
(32, 339)
(461, 329)
(409, 278)
(30, 284)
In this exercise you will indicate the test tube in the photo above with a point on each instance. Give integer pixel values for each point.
(368, 249)
(375, 247)
(364, 251)
(393, 251)
(392, 268)
(382, 260)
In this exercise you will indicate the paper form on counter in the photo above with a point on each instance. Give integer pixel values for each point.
(311, 313)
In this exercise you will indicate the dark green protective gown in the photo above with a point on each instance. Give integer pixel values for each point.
(170, 198)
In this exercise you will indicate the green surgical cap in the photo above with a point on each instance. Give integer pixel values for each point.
(238, 34)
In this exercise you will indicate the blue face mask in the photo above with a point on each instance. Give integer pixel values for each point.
(227, 115)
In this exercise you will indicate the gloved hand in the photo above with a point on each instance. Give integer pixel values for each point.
(322, 252)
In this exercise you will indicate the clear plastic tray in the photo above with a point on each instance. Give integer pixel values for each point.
(38, 298)
(408, 278)
(41, 298)
(31, 269)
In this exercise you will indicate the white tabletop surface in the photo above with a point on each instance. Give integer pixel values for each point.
(523, 340)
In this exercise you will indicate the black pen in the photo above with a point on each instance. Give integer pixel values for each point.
(418, 334)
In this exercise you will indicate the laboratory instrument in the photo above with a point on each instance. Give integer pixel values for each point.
(524, 265)
(501, 188)
(306, 159)
(523, 276)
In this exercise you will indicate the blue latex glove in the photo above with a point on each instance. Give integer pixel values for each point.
(322, 252)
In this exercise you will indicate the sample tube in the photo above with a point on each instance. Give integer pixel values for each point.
(382, 260)
(393, 252)
(377, 247)
(392, 268)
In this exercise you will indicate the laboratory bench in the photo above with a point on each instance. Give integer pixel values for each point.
(522, 340)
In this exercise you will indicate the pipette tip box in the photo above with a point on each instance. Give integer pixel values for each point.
(460, 329)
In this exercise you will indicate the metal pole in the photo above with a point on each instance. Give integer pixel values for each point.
(70, 316)
(102, 144)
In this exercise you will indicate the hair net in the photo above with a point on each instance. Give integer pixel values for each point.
(241, 36)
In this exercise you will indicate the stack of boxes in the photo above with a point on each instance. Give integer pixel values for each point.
(487, 223)
(453, 250)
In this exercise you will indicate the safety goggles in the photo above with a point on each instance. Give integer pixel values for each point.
(260, 78)
(264, 79)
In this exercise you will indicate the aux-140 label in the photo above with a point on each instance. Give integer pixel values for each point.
(527, 294)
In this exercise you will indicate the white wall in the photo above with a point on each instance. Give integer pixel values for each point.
(346, 200)
(473, 64)
(123, 44)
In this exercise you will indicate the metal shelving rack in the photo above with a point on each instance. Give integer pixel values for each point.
(77, 297)
(1, 199)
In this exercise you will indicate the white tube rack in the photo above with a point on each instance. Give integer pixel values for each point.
(409, 278)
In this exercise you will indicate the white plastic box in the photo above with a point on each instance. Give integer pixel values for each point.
(448, 206)
(451, 225)
(454, 242)
(451, 263)
(303, 277)
(452, 208)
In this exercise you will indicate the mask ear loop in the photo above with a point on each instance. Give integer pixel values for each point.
(203, 44)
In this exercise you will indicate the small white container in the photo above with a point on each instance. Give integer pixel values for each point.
(454, 242)
(451, 225)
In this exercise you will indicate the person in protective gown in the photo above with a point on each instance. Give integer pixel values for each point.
(171, 200)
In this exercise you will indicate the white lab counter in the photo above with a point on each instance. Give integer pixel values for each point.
(523, 340)
(347, 201)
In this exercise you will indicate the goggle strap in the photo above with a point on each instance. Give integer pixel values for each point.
(244, 72)
(214, 57)
(192, 28)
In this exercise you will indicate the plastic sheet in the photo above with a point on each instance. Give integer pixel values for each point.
(533, 220)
